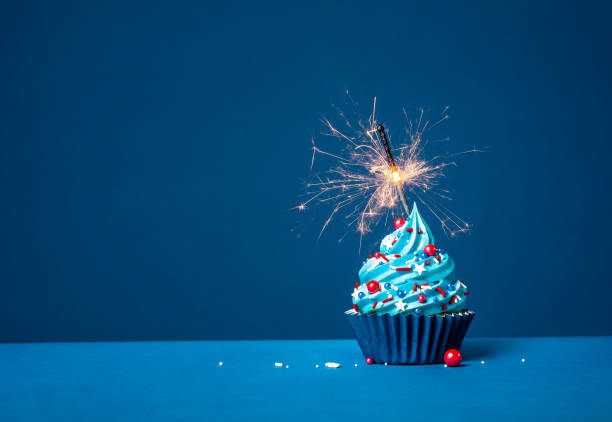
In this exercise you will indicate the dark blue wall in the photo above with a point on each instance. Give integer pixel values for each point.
(151, 154)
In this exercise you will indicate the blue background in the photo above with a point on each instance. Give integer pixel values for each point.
(151, 154)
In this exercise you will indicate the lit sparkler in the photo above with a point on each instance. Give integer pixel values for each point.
(368, 177)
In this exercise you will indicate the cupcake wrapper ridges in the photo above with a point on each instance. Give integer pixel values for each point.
(409, 339)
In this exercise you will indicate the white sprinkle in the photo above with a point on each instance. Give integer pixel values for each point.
(523, 360)
(385, 363)
(278, 364)
(220, 363)
(287, 366)
(332, 365)
(316, 366)
(445, 365)
(482, 362)
(355, 365)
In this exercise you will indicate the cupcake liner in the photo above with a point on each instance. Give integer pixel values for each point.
(409, 339)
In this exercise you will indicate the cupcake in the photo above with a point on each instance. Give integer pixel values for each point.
(408, 306)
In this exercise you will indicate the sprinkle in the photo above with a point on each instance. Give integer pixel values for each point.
(409, 229)
(443, 307)
(374, 306)
(387, 299)
(278, 364)
(452, 300)
(316, 366)
(286, 366)
(394, 241)
(415, 287)
(370, 256)
(357, 285)
(403, 269)
(385, 363)
(437, 259)
(427, 262)
(419, 231)
(424, 284)
(355, 308)
(441, 291)
(355, 365)
(523, 360)
(482, 362)
(220, 363)
(332, 365)
(445, 365)
(466, 293)
(397, 256)
(384, 257)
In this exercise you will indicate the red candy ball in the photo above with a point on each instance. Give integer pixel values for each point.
(422, 299)
(377, 255)
(369, 361)
(419, 231)
(452, 357)
(399, 222)
(373, 286)
(430, 250)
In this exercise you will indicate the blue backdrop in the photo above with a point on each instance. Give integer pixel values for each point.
(151, 153)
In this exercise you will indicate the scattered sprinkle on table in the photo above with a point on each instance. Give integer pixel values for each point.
(220, 363)
(332, 364)
(482, 362)
(278, 364)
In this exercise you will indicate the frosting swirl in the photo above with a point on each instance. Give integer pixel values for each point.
(405, 279)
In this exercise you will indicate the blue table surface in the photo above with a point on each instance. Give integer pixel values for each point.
(564, 378)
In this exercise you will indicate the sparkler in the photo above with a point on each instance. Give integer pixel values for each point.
(368, 178)
(394, 173)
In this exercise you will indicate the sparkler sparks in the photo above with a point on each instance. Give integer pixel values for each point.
(368, 179)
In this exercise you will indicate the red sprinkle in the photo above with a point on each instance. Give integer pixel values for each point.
(397, 256)
(441, 291)
(387, 299)
(415, 287)
(403, 269)
(452, 299)
(384, 257)
(395, 240)
(370, 256)
(357, 285)
(444, 307)
(424, 284)
(466, 293)
(374, 306)
(355, 308)
(409, 229)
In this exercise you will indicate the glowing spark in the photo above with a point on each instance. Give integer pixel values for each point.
(362, 184)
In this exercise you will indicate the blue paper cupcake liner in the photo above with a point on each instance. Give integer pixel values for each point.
(409, 339)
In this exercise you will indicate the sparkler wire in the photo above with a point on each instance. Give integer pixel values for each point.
(399, 184)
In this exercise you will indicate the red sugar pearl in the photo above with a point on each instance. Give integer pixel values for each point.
(373, 286)
(452, 357)
(430, 250)
(427, 262)
(419, 231)
(369, 361)
(377, 255)
(399, 222)
(422, 299)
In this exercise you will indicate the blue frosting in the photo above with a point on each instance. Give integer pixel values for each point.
(405, 274)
